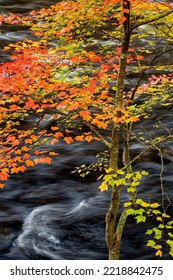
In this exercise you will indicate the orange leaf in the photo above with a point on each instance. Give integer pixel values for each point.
(68, 140)
(79, 137)
(38, 160)
(14, 170)
(13, 107)
(117, 120)
(122, 19)
(85, 114)
(18, 152)
(34, 137)
(26, 156)
(1, 186)
(4, 176)
(89, 138)
(24, 148)
(58, 134)
(54, 128)
(29, 163)
(22, 168)
(139, 57)
(47, 160)
(15, 143)
(134, 119)
(28, 141)
(53, 141)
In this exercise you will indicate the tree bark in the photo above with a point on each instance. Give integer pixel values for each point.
(113, 237)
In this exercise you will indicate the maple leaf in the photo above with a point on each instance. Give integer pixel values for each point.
(15, 170)
(58, 134)
(54, 128)
(103, 187)
(53, 154)
(79, 137)
(29, 163)
(68, 140)
(139, 57)
(22, 168)
(15, 143)
(37, 160)
(3, 176)
(26, 156)
(13, 107)
(30, 104)
(85, 114)
(89, 138)
(28, 141)
(47, 160)
(105, 67)
(159, 253)
(134, 119)
(53, 141)
(24, 148)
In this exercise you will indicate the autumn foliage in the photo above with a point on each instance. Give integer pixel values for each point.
(77, 73)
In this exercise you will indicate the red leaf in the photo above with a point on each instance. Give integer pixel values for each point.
(14, 107)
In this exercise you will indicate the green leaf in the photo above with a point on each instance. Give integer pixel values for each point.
(170, 234)
(139, 211)
(140, 219)
(130, 211)
(131, 190)
(161, 226)
(151, 243)
(165, 215)
(144, 173)
(149, 231)
(127, 204)
(156, 212)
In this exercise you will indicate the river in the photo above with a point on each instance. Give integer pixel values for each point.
(50, 213)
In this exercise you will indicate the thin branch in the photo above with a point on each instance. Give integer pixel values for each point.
(98, 134)
(153, 145)
(151, 20)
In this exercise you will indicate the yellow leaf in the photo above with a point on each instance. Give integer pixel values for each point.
(121, 172)
(103, 187)
(53, 153)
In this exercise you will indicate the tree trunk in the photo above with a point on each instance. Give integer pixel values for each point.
(113, 236)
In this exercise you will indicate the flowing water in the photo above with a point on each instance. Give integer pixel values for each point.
(50, 213)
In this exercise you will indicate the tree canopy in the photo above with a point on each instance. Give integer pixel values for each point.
(95, 64)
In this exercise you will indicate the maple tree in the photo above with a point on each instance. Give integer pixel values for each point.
(77, 72)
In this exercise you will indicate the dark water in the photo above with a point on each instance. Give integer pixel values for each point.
(50, 213)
